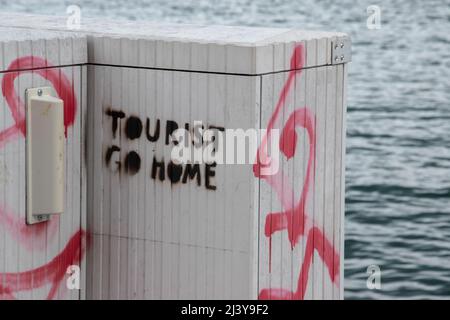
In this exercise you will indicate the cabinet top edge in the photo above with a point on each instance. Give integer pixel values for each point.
(223, 49)
(232, 35)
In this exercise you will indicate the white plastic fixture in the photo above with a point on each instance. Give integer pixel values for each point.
(44, 154)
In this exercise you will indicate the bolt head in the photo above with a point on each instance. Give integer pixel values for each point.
(342, 44)
(39, 92)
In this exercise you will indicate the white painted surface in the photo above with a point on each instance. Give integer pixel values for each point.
(33, 259)
(155, 239)
(320, 91)
(257, 48)
(189, 241)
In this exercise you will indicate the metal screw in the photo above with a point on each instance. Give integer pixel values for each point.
(342, 44)
(336, 59)
(40, 217)
(342, 58)
(39, 92)
(336, 46)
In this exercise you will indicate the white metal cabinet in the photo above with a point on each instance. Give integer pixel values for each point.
(251, 236)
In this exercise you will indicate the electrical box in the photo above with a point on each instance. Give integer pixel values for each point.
(45, 158)
(268, 225)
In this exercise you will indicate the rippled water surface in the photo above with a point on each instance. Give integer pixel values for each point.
(398, 145)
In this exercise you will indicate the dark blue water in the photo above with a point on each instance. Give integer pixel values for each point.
(398, 145)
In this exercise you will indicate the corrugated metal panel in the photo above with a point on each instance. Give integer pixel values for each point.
(300, 209)
(180, 240)
(34, 259)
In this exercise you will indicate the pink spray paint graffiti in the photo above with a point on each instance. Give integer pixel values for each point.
(35, 237)
(294, 217)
